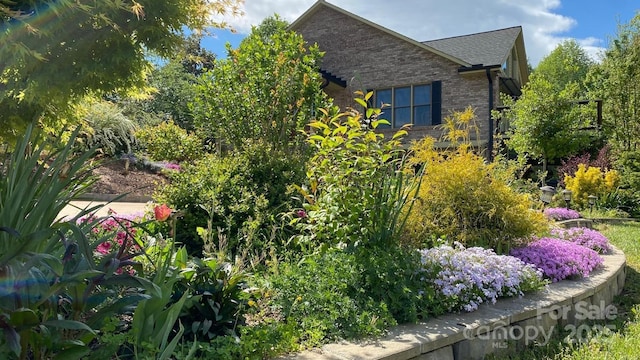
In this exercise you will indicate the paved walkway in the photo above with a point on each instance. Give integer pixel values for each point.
(118, 207)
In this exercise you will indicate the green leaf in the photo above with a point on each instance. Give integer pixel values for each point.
(69, 325)
(399, 134)
(24, 318)
(361, 102)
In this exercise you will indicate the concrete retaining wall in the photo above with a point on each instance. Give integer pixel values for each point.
(507, 326)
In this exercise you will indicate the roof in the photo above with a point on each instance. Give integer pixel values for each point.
(313, 9)
(486, 48)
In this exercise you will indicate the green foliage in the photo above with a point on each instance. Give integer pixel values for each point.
(392, 276)
(567, 63)
(37, 180)
(590, 181)
(174, 88)
(168, 141)
(215, 298)
(53, 294)
(357, 187)
(240, 194)
(154, 318)
(547, 123)
(463, 198)
(110, 131)
(47, 66)
(320, 295)
(267, 89)
(616, 80)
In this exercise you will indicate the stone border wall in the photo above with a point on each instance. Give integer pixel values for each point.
(506, 326)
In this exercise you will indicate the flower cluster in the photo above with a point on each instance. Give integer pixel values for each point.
(560, 214)
(468, 277)
(170, 166)
(115, 234)
(559, 259)
(586, 237)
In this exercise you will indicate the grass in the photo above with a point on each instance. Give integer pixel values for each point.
(624, 341)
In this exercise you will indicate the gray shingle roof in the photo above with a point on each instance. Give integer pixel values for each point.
(486, 48)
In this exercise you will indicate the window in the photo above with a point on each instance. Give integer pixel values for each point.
(416, 104)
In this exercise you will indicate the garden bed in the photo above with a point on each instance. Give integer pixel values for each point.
(508, 325)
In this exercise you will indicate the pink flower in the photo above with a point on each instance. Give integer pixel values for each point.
(162, 212)
(301, 213)
(104, 248)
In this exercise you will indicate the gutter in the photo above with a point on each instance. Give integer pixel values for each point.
(486, 69)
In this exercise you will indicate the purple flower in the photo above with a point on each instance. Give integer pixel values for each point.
(586, 237)
(559, 259)
(468, 277)
(560, 214)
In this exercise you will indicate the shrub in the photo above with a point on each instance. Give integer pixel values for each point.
(465, 278)
(569, 166)
(237, 196)
(357, 187)
(215, 297)
(590, 181)
(586, 237)
(111, 132)
(392, 276)
(560, 214)
(559, 259)
(322, 295)
(168, 141)
(463, 198)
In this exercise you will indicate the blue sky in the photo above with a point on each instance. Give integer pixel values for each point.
(545, 22)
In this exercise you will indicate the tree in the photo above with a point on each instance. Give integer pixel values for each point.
(54, 52)
(194, 58)
(617, 82)
(548, 123)
(567, 63)
(267, 89)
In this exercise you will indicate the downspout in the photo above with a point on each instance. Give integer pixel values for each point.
(490, 144)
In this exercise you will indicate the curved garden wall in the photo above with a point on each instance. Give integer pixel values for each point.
(508, 325)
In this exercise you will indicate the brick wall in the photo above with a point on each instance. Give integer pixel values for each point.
(368, 58)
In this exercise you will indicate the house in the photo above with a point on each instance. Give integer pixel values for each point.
(423, 81)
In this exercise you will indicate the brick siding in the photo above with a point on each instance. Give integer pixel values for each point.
(368, 58)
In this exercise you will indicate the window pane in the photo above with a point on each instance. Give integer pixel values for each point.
(402, 97)
(401, 116)
(422, 95)
(383, 97)
(422, 115)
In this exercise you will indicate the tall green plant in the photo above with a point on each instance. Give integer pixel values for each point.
(39, 177)
(265, 90)
(52, 292)
(357, 185)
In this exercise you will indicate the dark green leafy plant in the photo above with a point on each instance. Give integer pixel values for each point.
(241, 194)
(215, 298)
(323, 298)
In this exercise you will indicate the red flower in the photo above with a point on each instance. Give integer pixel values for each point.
(103, 248)
(162, 212)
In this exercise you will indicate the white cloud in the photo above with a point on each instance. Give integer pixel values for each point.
(431, 19)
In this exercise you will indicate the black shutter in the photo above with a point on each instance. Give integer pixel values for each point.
(436, 102)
